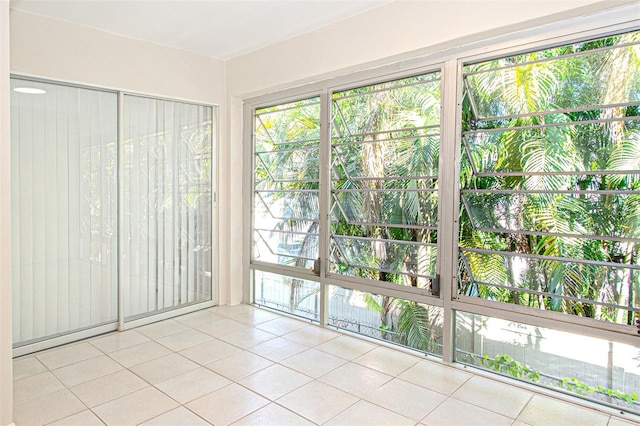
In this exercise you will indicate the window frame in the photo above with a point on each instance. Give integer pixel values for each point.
(120, 323)
(450, 62)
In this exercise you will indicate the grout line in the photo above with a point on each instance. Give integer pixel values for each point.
(315, 346)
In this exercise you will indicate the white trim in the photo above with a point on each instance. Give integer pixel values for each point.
(121, 216)
(63, 340)
(172, 313)
(81, 85)
(448, 202)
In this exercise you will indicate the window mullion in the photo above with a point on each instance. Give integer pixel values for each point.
(325, 198)
(448, 202)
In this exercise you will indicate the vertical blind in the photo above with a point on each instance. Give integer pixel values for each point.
(64, 209)
(167, 229)
(67, 241)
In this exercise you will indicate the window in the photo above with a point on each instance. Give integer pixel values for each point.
(484, 210)
(384, 186)
(550, 200)
(550, 180)
(287, 177)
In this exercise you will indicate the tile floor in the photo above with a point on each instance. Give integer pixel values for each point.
(246, 366)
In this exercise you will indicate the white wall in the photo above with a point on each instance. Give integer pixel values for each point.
(400, 29)
(6, 374)
(60, 50)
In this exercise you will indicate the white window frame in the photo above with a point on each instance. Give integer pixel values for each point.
(450, 62)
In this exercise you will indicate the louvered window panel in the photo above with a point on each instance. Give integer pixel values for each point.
(550, 180)
(385, 141)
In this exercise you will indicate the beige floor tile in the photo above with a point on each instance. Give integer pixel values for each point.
(254, 317)
(84, 418)
(278, 349)
(27, 367)
(388, 361)
(118, 341)
(346, 347)
(84, 371)
(542, 410)
(227, 310)
(196, 319)
(140, 353)
(313, 363)
(161, 329)
(192, 384)
(163, 368)
(282, 325)
(135, 407)
(439, 378)
(34, 387)
(247, 338)
(492, 395)
(210, 351)
(273, 414)
(311, 335)
(364, 413)
(222, 327)
(184, 339)
(317, 401)
(106, 388)
(355, 379)
(457, 413)
(67, 355)
(405, 398)
(275, 381)
(240, 365)
(47, 408)
(178, 417)
(227, 405)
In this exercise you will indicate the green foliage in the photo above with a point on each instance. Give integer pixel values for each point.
(505, 364)
(576, 386)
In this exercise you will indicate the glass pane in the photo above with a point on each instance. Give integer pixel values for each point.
(580, 78)
(286, 184)
(587, 367)
(289, 248)
(288, 165)
(407, 104)
(415, 261)
(401, 158)
(64, 210)
(385, 154)
(571, 148)
(294, 123)
(287, 294)
(561, 285)
(167, 181)
(552, 213)
(285, 205)
(398, 321)
(394, 207)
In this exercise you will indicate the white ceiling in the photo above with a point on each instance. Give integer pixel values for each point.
(218, 28)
